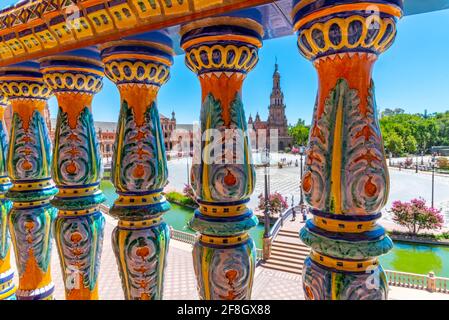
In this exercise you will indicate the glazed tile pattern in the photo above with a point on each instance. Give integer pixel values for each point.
(37, 27)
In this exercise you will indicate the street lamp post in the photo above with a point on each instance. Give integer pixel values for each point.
(433, 180)
(266, 186)
(422, 157)
(266, 235)
(188, 171)
(417, 163)
(301, 199)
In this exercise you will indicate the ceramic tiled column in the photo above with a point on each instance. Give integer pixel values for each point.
(7, 287)
(29, 162)
(75, 77)
(221, 51)
(346, 182)
(139, 66)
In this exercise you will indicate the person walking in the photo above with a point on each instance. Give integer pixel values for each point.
(293, 209)
(304, 213)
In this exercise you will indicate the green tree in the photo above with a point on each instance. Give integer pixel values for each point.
(299, 132)
(410, 145)
(418, 132)
(393, 144)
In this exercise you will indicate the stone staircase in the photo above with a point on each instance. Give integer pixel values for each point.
(287, 253)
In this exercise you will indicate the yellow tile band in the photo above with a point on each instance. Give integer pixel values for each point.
(224, 240)
(343, 226)
(343, 265)
(218, 211)
(139, 224)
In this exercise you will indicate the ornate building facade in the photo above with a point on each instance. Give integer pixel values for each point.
(106, 132)
(277, 121)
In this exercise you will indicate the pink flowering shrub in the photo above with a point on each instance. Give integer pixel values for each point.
(408, 162)
(276, 203)
(295, 150)
(416, 216)
(189, 193)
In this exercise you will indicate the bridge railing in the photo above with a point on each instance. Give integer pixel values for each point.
(427, 282)
(280, 222)
(277, 226)
(182, 236)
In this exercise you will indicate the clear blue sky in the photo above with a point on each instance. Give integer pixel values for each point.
(413, 74)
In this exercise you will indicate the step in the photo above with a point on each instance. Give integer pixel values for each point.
(268, 265)
(288, 235)
(290, 248)
(289, 232)
(293, 247)
(286, 259)
(295, 251)
(296, 255)
(288, 240)
(285, 264)
(299, 244)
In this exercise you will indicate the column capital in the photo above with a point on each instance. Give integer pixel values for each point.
(223, 44)
(143, 60)
(80, 71)
(330, 28)
(23, 81)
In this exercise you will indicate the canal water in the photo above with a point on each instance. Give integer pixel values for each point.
(405, 257)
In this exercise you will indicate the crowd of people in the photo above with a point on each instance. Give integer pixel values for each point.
(283, 162)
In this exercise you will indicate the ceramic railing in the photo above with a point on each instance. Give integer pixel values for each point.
(280, 222)
(442, 284)
(183, 236)
(418, 281)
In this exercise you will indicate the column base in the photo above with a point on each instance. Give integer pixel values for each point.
(79, 238)
(224, 272)
(322, 283)
(141, 249)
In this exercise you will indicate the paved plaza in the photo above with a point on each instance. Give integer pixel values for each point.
(180, 282)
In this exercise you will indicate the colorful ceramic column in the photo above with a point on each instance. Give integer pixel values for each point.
(29, 161)
(221, 51)
(346, 182)
(75, 77)
(7, 287)
(139, 66)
